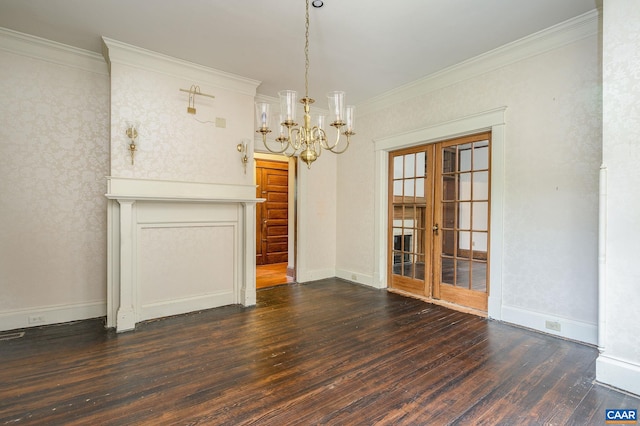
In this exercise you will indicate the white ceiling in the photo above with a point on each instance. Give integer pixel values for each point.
(362, 47)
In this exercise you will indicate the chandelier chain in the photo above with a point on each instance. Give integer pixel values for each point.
(306, 53)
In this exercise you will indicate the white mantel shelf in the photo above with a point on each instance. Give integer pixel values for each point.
(184, 199)
(148, 207)
(169, 190)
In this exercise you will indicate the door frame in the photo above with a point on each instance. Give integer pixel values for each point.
(492, 120)
(292, 203)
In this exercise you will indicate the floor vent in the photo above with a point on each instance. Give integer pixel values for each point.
(11, 336)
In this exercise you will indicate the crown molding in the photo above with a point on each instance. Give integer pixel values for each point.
(51, 51)
(121, 53)
(570, 31)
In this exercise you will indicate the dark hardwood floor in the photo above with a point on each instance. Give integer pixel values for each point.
(327, 352)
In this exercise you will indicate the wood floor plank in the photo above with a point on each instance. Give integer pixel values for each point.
(328, 352)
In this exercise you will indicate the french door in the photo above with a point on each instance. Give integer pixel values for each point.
(439, 220)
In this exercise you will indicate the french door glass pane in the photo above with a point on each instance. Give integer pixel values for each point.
(449, 215)
(449, 160)
(421, 164)
(481, 186)
(479, 242)
(409, 165)
(479, 276)
(448, 243)
(464, 157)
(480, 215)
(464, 243)
(420, 188)
(409, 188)
(447, 271)
(465, 186)
(462, 273)
(481, 155)
(397, 188)
(398, 169)
(449, 188)
(464, 215)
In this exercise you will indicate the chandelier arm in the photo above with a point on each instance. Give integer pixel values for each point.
(274, 151)
(335, 144)
(334, 148)
(342, 150)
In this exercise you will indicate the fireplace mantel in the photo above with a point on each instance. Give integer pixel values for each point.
(176, 247)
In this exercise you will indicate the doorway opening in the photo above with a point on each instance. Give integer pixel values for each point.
(275, 220)
(438, 230)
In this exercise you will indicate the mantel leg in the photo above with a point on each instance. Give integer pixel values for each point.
(248, 290)
(126, 319)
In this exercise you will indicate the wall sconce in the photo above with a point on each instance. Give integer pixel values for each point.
(243, 149)
(193, 91)
(132, 134)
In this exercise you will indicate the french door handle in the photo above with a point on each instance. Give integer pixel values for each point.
(435, 229)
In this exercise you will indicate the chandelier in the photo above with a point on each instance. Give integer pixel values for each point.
(306, 140)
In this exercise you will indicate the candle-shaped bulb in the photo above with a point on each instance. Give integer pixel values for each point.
(262, 115)
(288, 104)
(336, 106)
(350, 118)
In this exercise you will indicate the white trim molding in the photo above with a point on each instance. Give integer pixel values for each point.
(51, 51)
(569, 329)
(493, 120)
(602, 260)
(55, 314)
(355, 277)
(117, 52)
(618, 373)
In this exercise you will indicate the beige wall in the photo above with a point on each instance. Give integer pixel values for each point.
(54, 155)
(552, 156)
(619, 363)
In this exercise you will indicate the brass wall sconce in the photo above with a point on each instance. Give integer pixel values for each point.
(132, 134)
(243, 149)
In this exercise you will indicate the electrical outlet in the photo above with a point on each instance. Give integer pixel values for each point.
(553, 325)
(354, 277)
(36, 319)
(221, 122)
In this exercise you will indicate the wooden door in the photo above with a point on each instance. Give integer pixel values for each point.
(461, 216)
(439, 220)
(410, 211)
(272, 216)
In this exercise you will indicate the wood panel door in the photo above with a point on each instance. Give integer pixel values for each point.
(272, 216)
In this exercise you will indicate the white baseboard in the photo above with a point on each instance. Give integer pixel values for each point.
(355, 277)
(46, 315)
(185, 305)
(315, 275)
(569, 329)
(619, 374)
